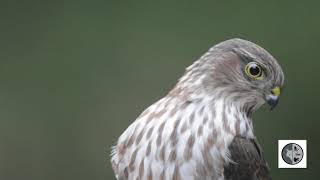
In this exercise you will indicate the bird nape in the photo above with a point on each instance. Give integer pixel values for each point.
(202, 129)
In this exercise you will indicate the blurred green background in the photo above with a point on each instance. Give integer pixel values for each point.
(75, 74)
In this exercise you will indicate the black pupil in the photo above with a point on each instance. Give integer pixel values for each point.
(254, 70)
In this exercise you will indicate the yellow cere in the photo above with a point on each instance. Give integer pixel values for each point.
(276, 91)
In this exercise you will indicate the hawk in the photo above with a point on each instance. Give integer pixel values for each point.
(203, 129)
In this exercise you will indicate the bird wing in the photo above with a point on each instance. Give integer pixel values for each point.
(247, 162)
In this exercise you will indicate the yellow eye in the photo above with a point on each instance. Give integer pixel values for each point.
(254, 70)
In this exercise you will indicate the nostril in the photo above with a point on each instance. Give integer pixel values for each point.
(275, 91)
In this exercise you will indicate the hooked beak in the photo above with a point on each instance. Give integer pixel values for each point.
(273, 98)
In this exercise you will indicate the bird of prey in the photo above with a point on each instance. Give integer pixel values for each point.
(203, 129)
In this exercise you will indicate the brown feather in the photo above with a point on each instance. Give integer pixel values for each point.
(248, 161)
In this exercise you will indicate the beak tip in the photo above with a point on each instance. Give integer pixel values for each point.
(272, 103)
(273, 98)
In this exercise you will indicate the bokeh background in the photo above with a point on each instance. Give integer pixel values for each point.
(75, 74)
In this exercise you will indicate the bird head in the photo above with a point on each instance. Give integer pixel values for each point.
(241, 72)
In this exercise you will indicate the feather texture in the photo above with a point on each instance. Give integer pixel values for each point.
(202, 129)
